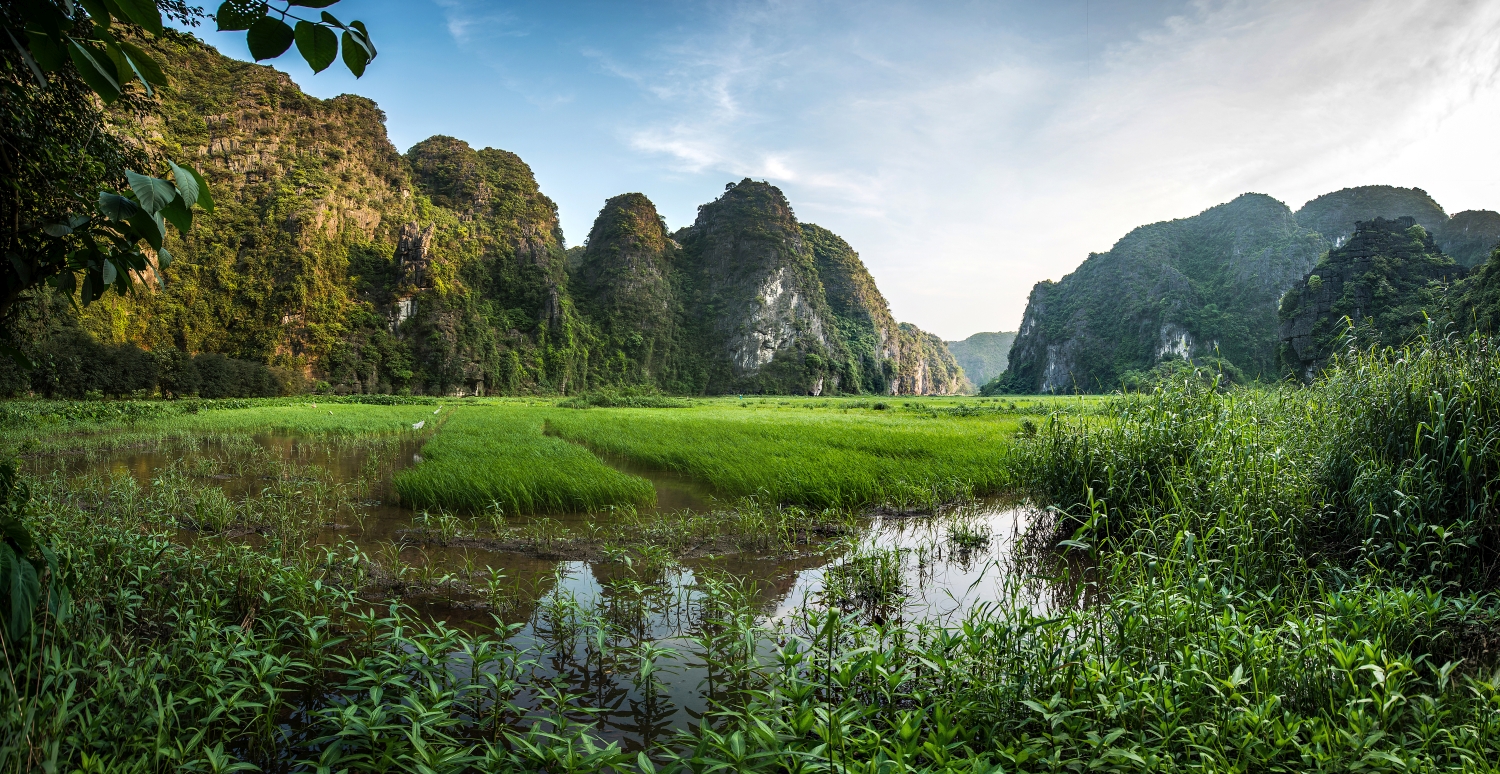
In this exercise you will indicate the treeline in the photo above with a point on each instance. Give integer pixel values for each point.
(74, 365)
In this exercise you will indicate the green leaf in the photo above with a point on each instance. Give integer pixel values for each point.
(17, 356)
(97, 11)
(116, 207)
(108, 272)
(317, 44)
(148, 228)
(205, 199)
(96, 71)
(163, 258)
(47, 50)
(236, 15)
(25, 592)
(355, 56)
(269, 38)
(153, 193)
(59, 600)
(186, 182)
(122, 63)
(57, 229)
(145, 67)
(179, 215)
(142, 12)
(329, 18)
(364, 37)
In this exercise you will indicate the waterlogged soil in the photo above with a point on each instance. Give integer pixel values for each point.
(557, 600)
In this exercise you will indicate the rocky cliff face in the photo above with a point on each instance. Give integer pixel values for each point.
(624, 284)
(308, 190)
(1381, 280)
(1193, 287)
(1336, 214)
(1469, 236)
(444, 270)
(753, 289)
(1208, 286)
(928, 368)
(860, 313)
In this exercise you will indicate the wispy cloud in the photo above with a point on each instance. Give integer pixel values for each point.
(971, 154)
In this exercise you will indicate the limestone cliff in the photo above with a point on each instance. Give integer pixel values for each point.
(1199, 286)
(757, 305)
(927, 367)
(1469, 236)
(860, 314)
(1335, 215)
(1385, 281)
(624, 283)
(444, 270)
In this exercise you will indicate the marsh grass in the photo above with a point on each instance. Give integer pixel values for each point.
(497, 458)
(815, 458)
(868, 579)
(1252, 593)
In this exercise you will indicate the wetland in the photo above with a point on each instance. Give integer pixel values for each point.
(1186, 579)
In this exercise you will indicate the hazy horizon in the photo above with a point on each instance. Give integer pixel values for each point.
(966, 151)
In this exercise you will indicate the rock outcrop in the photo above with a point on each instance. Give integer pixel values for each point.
(1382, 281)
(1469, 236)
(444, 270)
(1335, 215)
(861, 315)
(1201, 286)
(624, 285)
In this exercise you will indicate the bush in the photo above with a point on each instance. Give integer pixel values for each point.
(623, 397)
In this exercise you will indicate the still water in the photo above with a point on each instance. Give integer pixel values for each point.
(557, 604)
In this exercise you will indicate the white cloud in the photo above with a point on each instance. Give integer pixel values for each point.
(969, 157)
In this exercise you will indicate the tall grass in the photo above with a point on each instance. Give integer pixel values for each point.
(497, 456)
(813, 458)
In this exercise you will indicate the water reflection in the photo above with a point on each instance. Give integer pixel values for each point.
(622, 639)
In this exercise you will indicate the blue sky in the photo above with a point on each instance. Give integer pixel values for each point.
(967, 150)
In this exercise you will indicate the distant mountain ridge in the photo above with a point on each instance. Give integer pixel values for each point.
(354, 268)
(1209, 285)
(983, 356)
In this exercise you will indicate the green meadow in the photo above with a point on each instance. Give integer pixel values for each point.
(497, 456)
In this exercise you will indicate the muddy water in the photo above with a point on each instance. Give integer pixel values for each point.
(559, 603)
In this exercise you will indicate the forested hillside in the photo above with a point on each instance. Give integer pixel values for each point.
(1210, 287)
(983, 356)
(335, 263)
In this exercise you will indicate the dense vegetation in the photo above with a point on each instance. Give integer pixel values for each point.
(352, 268)
(1382, 285)
(815, 458)
(1205, 285)
(1210, 286)
(1252, 579)
(497, 459)
(983, 356)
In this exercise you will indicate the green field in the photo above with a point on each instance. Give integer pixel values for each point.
(1274, 579)
(822, 455)
(495, 456)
